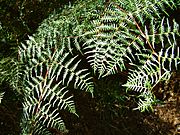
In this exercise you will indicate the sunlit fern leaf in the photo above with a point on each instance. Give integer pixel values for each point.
(156, 67)
(146, 102)
(56, 63)
(116, 62)
(46, 69)
(65, 65)
(33, 53)
(145, 77)
(119, 30)
(43, 101)
(40, 129)
(63, 29)
(144, 9)
(161, 32)
(103, 50)
(104, 56)
(139, 11)
(170, 58)
(11, 72)
(1, 96)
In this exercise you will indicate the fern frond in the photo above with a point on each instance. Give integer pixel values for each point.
(47, 69)
(40, 129)
(64, 29)
(170, 58)
(102, 49)
(117, 30)
(145, 77)
(104, 56)
(161, 32)
(55, 63)
(43, 101)
(156, 67)
(146, 104)
(67, 68)
(121, 31)
(1, 96)
(11, 71)
(144, 9)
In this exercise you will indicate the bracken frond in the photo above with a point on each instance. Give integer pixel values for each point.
(43, 101)
(1, 96)
(109, 37)
(156, 67)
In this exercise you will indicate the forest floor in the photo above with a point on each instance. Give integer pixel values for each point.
(165, 120)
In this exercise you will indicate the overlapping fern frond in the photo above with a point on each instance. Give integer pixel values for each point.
(64, 29)
(138, 32)
(54, 62)
(158, 65)
(133, 34)
(144, 78)
(118, 32)
(46, 70)
(51, 63)
(145, 9)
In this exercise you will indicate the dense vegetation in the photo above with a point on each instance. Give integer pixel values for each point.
(116, 50)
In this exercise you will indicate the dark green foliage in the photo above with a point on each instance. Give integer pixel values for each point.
(92, 39)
